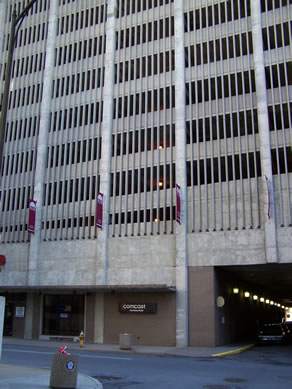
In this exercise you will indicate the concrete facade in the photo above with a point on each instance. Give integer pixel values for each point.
(131, 99)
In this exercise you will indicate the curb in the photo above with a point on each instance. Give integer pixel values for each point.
(233, 352)
(97, 384)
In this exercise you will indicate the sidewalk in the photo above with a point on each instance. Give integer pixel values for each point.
(29, 378)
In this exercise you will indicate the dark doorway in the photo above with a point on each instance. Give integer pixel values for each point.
(8, 319)
(63, 315)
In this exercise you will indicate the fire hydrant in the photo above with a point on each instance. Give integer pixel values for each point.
(81, 339)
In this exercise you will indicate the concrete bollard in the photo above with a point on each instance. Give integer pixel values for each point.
(64, 371)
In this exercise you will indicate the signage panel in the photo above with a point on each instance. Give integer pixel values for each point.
(137, 307)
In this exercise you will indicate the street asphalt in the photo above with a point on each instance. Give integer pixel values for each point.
(12, 377)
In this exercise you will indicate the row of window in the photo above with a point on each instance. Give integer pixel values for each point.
(281, 160)
(64, 191)
(142, 140)
(76, 52)
(23, 128)
(225, 168)
(27, 65)
(220, 49)
(147, 32)
(279, 75)
(222, 126)
(276, 36)
(220, 87)
(145, 66)
(18, 163)
(280, 116)
(87, 18)
(143, 180)
(79, 82)
(269, 5)
(75, 152)
(81, 115)
(30, 35)
(25, 96)
(155, 100)
(128, 7)
(39, 6)
(17, 198)
(144, 215)
(68, 223)
(226, 11)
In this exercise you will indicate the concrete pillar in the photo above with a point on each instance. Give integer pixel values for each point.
(106, 133)
(34, 253)
(264, 134)
(2, 309)
(180, 156)
(3, 9)
(99, 318)
(28, 321)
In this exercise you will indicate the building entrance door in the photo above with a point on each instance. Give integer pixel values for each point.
(8, 319)
(63, 315)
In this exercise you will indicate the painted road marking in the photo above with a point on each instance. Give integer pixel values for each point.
(80, 355)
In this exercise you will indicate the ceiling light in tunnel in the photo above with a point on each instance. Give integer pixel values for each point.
(255, 297)
(246, 294)
(235, 290)
(262, 299)
(267, 301)
(272, 302)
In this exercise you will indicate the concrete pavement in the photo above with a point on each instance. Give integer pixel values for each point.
(30, 378)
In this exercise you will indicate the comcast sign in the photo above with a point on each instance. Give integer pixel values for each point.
(137, 307)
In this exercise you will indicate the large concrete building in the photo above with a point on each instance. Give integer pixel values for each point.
(178, 115)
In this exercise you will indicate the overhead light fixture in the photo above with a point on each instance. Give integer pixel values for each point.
(279, 305)
(272, 302)
(267, 301)
(235, 290)
(283, 307)
(246, 294)
(262, 299)
(255, 297)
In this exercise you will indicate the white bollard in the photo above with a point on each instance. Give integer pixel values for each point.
(2, 308)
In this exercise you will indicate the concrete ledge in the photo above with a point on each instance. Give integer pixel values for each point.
(233, 352)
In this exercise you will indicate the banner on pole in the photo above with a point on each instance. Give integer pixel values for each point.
(99, 210)
(178, 198)
(31, 215)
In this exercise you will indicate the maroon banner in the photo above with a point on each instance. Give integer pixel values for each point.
(99, 209)
(31, 215)
(178, 204)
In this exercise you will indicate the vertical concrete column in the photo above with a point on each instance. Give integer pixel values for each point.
(180, 171)
(99, 318)
(106, 133)
(2, 310)
(3, 5)
(34, 253)
(28, 321)
(264, 134)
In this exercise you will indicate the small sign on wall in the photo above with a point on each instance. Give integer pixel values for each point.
(19, 311)
(137, 307)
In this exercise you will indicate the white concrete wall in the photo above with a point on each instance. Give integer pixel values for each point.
(138, 260)
(226, 248)
(14, 272)
(142, 260)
